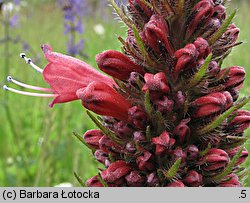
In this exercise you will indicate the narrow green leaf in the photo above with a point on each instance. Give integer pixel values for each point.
(101, 180)
(106, 131)
(205, 151)
(80, 138)
(79, 179)
(148, 133)
(221, 30)
(229, 168)
(200, 74)
(214, 124)
(124, 18)
(172, 171)
(148, 107)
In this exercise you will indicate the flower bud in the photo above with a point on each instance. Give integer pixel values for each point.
(213, 68)
(137, 117)
(101, 156)
(240, 123)
(134, 179)
(94, 182)
(211, 105)
(152, 180)
(145, 162)
(123, 130)
(162, 143)
(178, 153)
(164, 105)
(117, 64)
(180, 99)
(202, 47)
(157, 82)
(130, 147)
(215, 159)
(115, 172)
(182, 131)
(231, 180)
(156, 35)
(109, 146)
(193, 179)
(234, 77)
(92, 138)
(176, 183)
(192, 152)
(200, 14)
(243, 156)
(104, 100)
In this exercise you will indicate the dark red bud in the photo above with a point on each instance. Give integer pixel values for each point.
(92, 138)
(202, 47)
(115, 171)
(193, 179)
(134, 179)
(144, 162)
(241, 122)
(192, 152)
(243, 156)
(182, 131)
(157, 82)
(215, 159)
(104, 100)
(117, 65)
(164, 105)
(231, 180)
(213, 68)
(162, 143)
(234, 77)
(101, 156)
(156, 35)
(123, 130)
(137, 117)
(178, 153)
(211, 105)
(109, 146)
(94, 182)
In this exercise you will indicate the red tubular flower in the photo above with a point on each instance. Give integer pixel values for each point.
(66, 75)
(102, 157)
(104, 100)
(92, 138)
(115, 172)
(215, 159)
(193, 179)
(156, 35)
(162, 143)
(137, 117)
(211, 105)
(117, 64)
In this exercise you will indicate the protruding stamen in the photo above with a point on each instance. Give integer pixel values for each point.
(10, 79)
(29, 61)
(5, 87)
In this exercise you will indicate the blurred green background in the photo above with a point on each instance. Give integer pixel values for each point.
(37, 147)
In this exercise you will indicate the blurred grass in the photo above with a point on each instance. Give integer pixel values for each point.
(42, 150)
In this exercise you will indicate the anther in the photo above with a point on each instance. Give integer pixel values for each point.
(22, 55)
(29, 61)
(9, 79)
